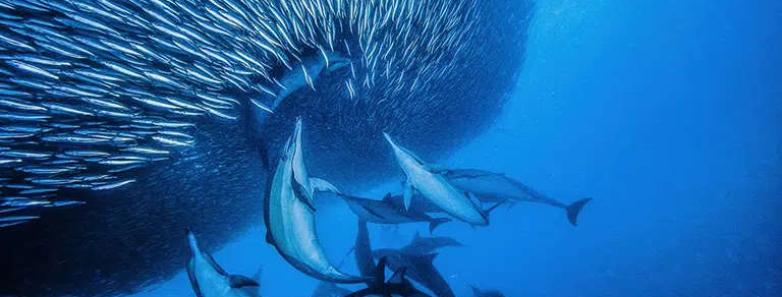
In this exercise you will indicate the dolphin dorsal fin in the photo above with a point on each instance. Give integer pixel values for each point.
(240, 281)
(214, 264)
(388, 198)
(258, 274)
(380, 272)
(398, 277)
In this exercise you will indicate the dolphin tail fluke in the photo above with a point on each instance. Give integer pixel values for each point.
(574, 209)
(436, 222)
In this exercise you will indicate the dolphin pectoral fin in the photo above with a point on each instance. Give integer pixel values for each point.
(436, 222)
(493, 207)
(240, 281)
(475, 201)
(388, 198)
(301, 192)
(322, 185)
(574, 209)
(193, 280)
(408, 195)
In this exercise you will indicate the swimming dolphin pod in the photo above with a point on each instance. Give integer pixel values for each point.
(397, 285)
(289, 215)
(459, 193)
(210, 280)
(96, 94)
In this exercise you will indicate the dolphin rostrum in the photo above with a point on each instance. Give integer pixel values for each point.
(389, 211)
(496, 187)
(210, 280)
(290, 215)
(435, 188)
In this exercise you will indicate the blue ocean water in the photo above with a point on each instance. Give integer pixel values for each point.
(667, 113)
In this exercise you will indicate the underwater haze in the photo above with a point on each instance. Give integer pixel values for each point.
(667, 114)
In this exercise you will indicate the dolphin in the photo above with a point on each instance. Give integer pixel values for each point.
(389, 211)
(307, 72)
(396, 286)
(363, 252)
(419, 268)
(290, 215)
(366, 264)
(486, 293)
(298, 76)
(496, 187)
(210, 280)
(435, 188)
(426, 245)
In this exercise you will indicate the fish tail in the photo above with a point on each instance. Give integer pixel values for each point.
(574, 209)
